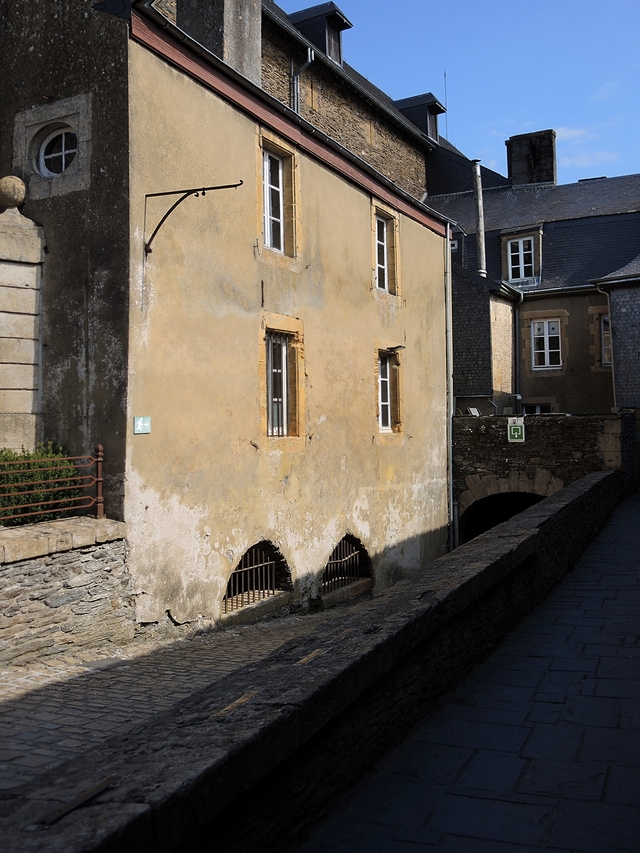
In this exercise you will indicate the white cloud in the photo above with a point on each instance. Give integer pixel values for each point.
(563, 134)
(606, 92)
(587, 159)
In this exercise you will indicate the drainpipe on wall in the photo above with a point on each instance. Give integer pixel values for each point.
(477, 190)
(295, 79)
(453, 515)
(516, 346)
(613, 366)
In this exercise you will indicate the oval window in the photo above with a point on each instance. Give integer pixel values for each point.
(57, 152)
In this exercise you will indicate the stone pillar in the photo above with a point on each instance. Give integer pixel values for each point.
(232, 29)
(21, 257)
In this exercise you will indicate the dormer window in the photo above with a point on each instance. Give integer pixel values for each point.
(423, 111)
(522, 257)
(323, 26)
(334, 44)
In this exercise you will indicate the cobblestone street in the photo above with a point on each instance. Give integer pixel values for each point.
(50, 713)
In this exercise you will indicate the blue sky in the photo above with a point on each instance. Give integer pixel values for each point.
(512, 67)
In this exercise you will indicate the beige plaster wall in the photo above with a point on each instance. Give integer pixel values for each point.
(207, 482)
(502, 355)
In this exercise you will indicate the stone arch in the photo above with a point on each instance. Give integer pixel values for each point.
(538, 485)
(348, 563)
(261, 573)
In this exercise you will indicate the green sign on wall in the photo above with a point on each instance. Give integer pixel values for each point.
(515, 429)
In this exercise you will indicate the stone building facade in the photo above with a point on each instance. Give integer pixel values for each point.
(552, 244)
(266, 366)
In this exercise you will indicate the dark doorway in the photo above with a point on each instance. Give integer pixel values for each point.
(486, 513)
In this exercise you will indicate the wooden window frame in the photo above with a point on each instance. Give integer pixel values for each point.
(386, 267)
(518, 240)
(287, 430)
(271, 150)
(388, 411)
(605, 334)
(546, 351)
(521, 265)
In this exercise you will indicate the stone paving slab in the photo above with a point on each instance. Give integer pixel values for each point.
(539, 748)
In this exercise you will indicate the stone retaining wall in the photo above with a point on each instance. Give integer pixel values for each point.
(251, 761)
(63, 583)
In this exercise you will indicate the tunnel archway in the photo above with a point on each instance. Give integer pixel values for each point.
(485, 513)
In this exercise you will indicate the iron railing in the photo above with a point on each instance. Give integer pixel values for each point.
(33, 488)
(346, 565)
(253, 579)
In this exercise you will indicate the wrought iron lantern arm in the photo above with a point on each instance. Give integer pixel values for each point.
(184, 194)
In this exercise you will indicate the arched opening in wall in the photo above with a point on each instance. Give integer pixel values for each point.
(348, 563)
(487, 512)
(261, 573)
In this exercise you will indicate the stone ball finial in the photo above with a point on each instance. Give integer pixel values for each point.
(12, 192)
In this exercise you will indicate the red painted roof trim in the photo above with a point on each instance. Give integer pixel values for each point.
(178, 55)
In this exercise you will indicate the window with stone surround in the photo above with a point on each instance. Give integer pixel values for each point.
(605, 341)
(278, 196)
(545, 344)
(282, 376)
(385, 249)
(388, 380)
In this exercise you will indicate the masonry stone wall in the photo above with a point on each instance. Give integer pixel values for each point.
(558, 450)
(625, 324)
(21, 257)
(337, 110)
(472, 361)
(63, 584)
(502, 323)
(288, 734)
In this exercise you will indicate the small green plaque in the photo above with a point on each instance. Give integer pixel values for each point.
(142, 426)
(515, 429)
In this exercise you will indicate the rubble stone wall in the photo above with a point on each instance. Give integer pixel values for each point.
(63, 584)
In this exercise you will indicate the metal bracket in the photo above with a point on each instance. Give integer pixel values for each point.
(184, 194)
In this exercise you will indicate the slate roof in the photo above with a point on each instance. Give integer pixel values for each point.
(532, 204)
(450, 171)
(575, 252)
(350, 75)
(629, 271)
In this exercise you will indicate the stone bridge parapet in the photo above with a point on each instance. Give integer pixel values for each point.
(557, 451)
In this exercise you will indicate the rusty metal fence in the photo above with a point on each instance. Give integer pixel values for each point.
(253, 579)
(347, 564)
(53, 487)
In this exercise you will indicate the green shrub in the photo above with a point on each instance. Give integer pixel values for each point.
(40, 467)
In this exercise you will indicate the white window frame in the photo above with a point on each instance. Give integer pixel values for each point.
(382, 253)
(606, 351)
(277, 344)
(385, 390)
(546, 350)
(516, 259)
(63, 154)
(273, 193)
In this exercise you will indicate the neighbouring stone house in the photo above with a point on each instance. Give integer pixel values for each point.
(266, 367)
(552, 245)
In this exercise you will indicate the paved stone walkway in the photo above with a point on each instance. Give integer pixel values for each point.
(539, 748)
(52, 712)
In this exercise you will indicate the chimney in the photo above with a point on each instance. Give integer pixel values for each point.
(531, 158)
(232, 29)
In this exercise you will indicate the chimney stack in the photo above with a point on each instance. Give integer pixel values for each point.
(231, 29)
(531, 158)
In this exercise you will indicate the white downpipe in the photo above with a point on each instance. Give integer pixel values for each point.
(453, 532)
